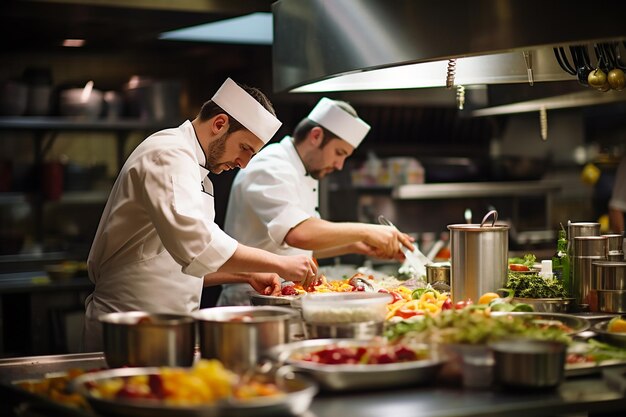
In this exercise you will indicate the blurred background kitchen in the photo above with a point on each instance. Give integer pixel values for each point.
(82, 82)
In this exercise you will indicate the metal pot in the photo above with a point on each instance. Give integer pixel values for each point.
(608, 301)
(137, 338)
(609, 275)
(239, 335)
(529, 363)
(479, 256)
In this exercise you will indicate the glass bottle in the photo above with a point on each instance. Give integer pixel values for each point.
(561, 261)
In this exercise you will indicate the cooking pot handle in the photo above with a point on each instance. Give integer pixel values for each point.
(495, 218)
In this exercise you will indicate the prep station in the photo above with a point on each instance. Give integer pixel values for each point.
(581, 395)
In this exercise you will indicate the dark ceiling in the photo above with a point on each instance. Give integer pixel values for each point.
(37, 25)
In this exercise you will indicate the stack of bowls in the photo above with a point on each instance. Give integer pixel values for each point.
(357, 315)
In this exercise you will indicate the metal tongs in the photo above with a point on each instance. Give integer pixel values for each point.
(416, 259)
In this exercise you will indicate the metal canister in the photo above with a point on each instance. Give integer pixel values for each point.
(609, 275)
(586, 250)
(438, 275)
(615, 247)
(479, 254)
(578, 229)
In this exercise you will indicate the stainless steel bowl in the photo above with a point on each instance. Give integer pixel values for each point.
(239, 335)
(524, 363)
(575, 324)
(138, 338)
(362, 331)
(359, 376)
(608, 301)
(547, 305)
(618, 339)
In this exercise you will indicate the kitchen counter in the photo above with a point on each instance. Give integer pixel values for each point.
(576, 395)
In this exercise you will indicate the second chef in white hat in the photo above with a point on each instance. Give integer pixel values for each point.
(157, 243)
(273, 203)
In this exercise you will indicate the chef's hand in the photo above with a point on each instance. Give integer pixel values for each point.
(387, 240)
(266, 283)
(298, 268)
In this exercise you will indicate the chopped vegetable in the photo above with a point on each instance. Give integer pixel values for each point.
(528, 260)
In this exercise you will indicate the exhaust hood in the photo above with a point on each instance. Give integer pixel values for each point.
(346, 45)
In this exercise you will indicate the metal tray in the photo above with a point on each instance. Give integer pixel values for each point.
(577, 324)
(618, 339)
(272, 300)
(299, 394)
(358, 376)
(588, 368)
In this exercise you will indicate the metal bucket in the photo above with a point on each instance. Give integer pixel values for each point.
(479, 254)
(580, 229)
(615, 247)
(609, 275)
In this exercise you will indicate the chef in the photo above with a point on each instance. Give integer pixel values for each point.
(157, 243)
(273, 204)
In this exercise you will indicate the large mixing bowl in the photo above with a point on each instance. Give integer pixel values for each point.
(138, 338)
(239, 335)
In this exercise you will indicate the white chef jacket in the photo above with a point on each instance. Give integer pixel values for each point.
(157, 237)
(268, 198)
(618, 195)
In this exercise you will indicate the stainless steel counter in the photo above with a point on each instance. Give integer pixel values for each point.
(578, 395)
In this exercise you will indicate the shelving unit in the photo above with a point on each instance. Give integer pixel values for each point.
(44, 131)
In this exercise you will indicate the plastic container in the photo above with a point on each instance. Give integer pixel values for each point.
(352, 307)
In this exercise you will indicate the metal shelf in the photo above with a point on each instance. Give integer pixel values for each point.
(68, 197)
(474, 189)
(68, 123)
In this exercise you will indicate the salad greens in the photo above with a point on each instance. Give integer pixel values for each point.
(528, 260)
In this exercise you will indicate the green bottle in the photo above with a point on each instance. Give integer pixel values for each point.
(561, 261)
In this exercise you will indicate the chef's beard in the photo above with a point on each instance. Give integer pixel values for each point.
(318, 174)
(215, 153)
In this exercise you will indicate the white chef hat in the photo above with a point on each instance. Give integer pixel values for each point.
(330, 115)
(246, 110)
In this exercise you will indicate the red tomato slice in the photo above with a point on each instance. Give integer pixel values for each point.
(518, 267)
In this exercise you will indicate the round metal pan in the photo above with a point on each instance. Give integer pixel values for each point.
(358, 376)
(299, 394)
(271, 300)
(577, 324)
(618, 339)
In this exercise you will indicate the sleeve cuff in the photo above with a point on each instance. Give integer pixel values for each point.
(219, 250)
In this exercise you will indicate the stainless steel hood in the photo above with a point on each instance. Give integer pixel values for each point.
(336, 45)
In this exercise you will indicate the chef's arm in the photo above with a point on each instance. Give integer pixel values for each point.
(321, 235)
(249, 259)
(267, 283)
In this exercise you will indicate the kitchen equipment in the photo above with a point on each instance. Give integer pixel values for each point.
(479, 256)
(415, 259)
(586, 250)
(607, 301)
(365, 330)
(137, 338)
(617, 339)
(85, 102)
(297, 399)
(438, 275)
(525, 363)
(615, 247)
(344, 377)
(345, 307)
(547, 305)
(577, 229)
(13, 98)
(609, 275)
(257, 299)
(238, 335)
(39, 82)
(574, 324)
(153, 99)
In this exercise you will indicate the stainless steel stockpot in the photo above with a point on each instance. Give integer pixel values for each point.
(609, 275)
(138, 338)
(479, 257)
(239, 335)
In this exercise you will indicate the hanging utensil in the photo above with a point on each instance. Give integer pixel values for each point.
(528, 59)
(415, 259)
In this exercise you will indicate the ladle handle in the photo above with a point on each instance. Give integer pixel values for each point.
(495, 218)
